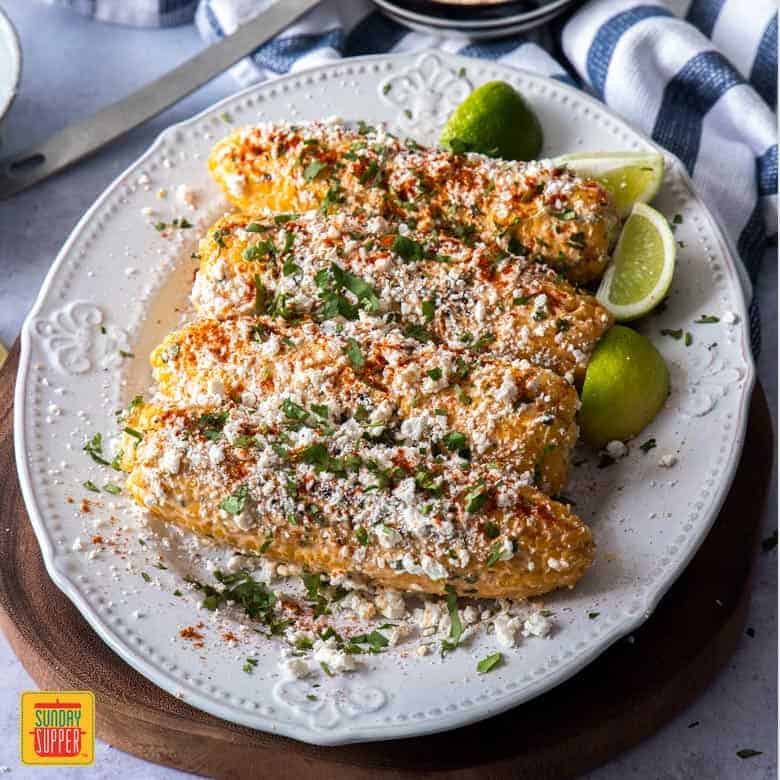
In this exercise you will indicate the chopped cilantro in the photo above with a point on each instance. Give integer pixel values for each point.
(375, 640)
(260, 250)
(321, 410)
(240, 589)
(361, 289)
(211, 424)
(294, 411)
(113, 489)
(456, 627)
(481, 344)
(372, 174)
(748, 753)
(495, 554)
(492, 531)
(675, 334)
(408, 249)
(290, 268)
(650, 444)
(707, 319)
(249, 665)
(354, 353)
(414, 331)
(476, 498)
(361, 535)
(90, 485)
(219, 237)
(94, 448)
(235, 503)
(455, 441)
(332, 282)
(261, 296)
(332, 196)
(145, 577)
(313, 169)
(489, 663)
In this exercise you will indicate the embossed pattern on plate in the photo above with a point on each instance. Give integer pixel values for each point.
(118, 285)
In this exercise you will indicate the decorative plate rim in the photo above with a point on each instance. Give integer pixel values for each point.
(648, 600)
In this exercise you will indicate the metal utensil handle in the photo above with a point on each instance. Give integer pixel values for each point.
(22, 170)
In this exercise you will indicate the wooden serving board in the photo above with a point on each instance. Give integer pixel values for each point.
(621, 698)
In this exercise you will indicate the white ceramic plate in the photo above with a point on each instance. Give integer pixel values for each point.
(118, 284)
(10, 63)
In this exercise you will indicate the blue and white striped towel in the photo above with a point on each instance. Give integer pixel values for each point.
(698, 76)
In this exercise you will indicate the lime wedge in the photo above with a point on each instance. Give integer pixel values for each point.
(496, 121)
(629, 177)
(626, 384)
(642, 265)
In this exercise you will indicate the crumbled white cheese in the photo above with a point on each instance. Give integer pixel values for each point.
(429, 616)
(667, 461)
(616, 449)
(295, 667)
(234, 183)
(336, 660)
(387, 537)
(170, 461)
(507, 630)
(391, 604)
(186, 196)
(537, 625)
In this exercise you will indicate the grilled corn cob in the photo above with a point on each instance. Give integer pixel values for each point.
(536, 209)
(344, 505)
(439, 288)
(516, 416)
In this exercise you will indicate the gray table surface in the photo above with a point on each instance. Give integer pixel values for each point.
(72, 66)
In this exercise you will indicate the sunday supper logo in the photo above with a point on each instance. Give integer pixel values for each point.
(58, 728)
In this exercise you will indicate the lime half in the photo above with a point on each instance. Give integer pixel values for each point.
(626, 384)
(642, 265)
(496, 121)
(629, 177)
